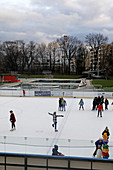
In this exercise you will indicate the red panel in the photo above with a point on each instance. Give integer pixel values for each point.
(8, 78)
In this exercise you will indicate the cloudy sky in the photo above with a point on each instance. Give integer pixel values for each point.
(46, 20)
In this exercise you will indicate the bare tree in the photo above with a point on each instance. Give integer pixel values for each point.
(95, 40)
(42, 55)
(71, 47)
(10, 51)
(107, 60)
(30, 54)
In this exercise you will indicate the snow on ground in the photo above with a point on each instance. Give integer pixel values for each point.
(77, 127)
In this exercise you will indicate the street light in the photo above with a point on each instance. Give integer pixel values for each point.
(65, 41)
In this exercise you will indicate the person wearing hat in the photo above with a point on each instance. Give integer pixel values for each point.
(98, 144)
(106, 131)
(12, 120)
(105, 152)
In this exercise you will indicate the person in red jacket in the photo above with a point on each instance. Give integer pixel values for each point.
(12, 120)
(100, 109)
(23, 92)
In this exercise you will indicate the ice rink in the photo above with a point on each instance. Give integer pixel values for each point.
(77, 127)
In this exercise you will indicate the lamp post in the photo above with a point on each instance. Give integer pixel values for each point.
(99, 56)
(65, 41)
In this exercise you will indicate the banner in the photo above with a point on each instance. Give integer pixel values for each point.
(42, 93)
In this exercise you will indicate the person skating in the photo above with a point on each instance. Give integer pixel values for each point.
(102, 100)
(106, 104)
(55, 120)
(60, 104)
(105, 152)
(100, 109)
(64, 105)
(106, 131)
(13, 120)
(98, 100)
(105, 138)
(94, 103)
(98, 144)
(56, 152)
(81, 103)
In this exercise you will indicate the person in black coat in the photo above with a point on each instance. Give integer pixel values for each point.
(94, 103)
(102, 100)
(60, 104)
(106, 131)
(98, 100)
(55, 151)
(106, 104)
(98, 144)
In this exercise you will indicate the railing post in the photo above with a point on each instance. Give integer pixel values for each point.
(91, 165)
(5, 161)
(68, 164)
(46, 163)
(25, 161)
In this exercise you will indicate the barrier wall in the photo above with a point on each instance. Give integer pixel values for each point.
(39, 162)
(65, 93)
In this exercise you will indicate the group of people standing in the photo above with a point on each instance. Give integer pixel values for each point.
(62, 104)
(98, 104)
(102, 148)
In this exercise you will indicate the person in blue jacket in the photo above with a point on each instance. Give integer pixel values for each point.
(98, 144)
(81, 103)
(63, 105)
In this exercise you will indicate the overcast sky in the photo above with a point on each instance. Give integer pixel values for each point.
(46, 20)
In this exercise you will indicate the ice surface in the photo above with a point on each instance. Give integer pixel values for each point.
(76, 130)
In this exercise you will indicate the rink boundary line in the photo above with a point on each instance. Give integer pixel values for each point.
(52, 97)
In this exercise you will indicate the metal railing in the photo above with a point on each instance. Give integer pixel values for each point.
(15, 161)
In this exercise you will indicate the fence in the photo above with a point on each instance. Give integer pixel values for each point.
(44, 162)
(65, 93)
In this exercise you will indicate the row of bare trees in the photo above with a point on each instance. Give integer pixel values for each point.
(62, 56)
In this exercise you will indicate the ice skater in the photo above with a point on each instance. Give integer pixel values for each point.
(60, 104)
(94, 103)
(12, 120)
(106, 104)
(64, 105)
(106, 132)
(55, 120)
(99, 143)
(81, 103)
(100, 109)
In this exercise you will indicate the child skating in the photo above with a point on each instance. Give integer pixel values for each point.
(55, 120)
(12, 120)
(81, 103)
(100, 109)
